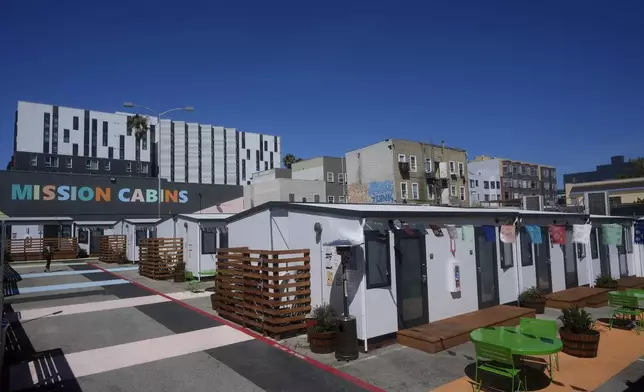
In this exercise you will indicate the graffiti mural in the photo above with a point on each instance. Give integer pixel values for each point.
(379, 192)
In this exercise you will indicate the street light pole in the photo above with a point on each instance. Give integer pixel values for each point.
(158, 137)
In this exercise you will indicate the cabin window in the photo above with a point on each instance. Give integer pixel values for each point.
(83, 236)
(208, 242)
(594, 251)
(507, 258)
(377, 260)
(526, 248)
(141, 235)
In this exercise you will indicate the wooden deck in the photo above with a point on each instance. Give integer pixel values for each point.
(443, 334)
(591, 297)
(630, 282)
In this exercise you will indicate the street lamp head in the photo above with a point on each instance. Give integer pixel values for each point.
(189, 109)
(128, 104)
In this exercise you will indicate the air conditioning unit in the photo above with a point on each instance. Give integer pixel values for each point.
(533, 203)
(596, 203)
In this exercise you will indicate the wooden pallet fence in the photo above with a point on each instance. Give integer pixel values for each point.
(158, 257)
(28, 249)
(113, 249)
(269, 291)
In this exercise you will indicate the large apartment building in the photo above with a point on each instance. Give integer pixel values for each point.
(54, 138)
(498, 179)
(402, 171)
(330, 171)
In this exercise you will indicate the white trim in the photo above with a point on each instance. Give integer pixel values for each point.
(417, 195)
(452, 167)
(406, 195)
(404, 158)
(413, 163)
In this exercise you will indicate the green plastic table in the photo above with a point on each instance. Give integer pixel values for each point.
(520, 343)
(628, 294)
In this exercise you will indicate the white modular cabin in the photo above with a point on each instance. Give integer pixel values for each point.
(135, 230)
(89, 234)
(39, 227)
(202, 235)
(403, 272)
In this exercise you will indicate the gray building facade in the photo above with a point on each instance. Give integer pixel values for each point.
(618, 168)
(330, 170)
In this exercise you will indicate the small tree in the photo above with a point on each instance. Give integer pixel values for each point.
(139, 124)
(290, 159)
(638, 164)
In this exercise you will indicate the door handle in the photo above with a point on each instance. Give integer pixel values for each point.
(548, 261)
(424, 278)
(479, 269)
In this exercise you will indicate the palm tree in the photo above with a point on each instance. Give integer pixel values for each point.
(290, 159)
(139, 124)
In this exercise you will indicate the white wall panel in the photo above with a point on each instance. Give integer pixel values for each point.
(164, 158)
(219, 155)
(206, 154)
(231, 157)
(193, 153)
(179, 151)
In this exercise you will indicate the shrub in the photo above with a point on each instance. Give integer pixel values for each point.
(533, 293)
(577, 321)
(605, 281)
(326, 318)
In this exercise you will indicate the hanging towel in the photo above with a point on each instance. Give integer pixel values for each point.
(557, 234)
(534, 232)
(612, 234)
(468, 233)
(438, 232)
(639, 233)
(452, 232)
(490, 233)
(581, 233)
(508, 234)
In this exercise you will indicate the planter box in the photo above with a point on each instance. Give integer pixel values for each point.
(538, 305)
(580, 345)
(322, 342)
(607, 286)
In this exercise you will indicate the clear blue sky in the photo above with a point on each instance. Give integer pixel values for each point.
(554, 82)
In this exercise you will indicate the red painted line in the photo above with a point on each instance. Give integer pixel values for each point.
(318, 364)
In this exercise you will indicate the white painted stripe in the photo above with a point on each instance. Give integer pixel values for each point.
(70, 286)
(100, 360)
(34, 265)
(54, 311)
(73, 272)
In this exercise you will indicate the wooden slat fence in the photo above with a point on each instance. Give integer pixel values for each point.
(113, 249)
(28, 249)
(159, 256)
(267, 290)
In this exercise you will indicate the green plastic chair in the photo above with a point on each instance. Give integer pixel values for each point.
(625, 306)
(543, 329)
(497, 360)
(636, 291)
(193, 284)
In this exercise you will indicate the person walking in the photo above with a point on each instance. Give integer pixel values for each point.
(48, 257)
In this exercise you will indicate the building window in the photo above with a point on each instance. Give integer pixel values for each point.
(257, 160)
(486, 197)
(486, 185)
(461, 169)
(526, 248)
(506, 195)
(452, 190)
(476, 182)
(243, 170)
(291, 197)
(452, 167)
(329, 177)
(581, 251)
(507, 258)
(413, 166)
(316, 198)
(75, 124)
(414, 191)
(208, 242)
(498, 185)
(108, 166)
(430, 192)
(91, 164)
(377, 258)
(304, 200)
(272, 160)
(428, 165)
(75, 149)
(594, 250)
(243, 140)
(46, 119)
(94, 136)
(65, 135)
(265, 145)
(110, 152)
(491, 184)
(145, 167)
(471, 183)
(330, 199)
(128, 167)
(47, 161)
(105, 133)
(402, 158)
(462, 193)
(340, 178)
(122, 147)
(248, 154)
(341, 199)
(34, 160)
(403, 190)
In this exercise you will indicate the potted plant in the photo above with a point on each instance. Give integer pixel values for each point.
(605, 282)
(533, 298)
(322, 334)
(180, 272)
(578, 334)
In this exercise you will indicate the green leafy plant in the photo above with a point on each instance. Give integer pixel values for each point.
(326, 319)
(577, 321)
(532, 294)
(605, 281)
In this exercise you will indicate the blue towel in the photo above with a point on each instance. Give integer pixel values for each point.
(639, 233)
(490, 233)
(534, 232)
